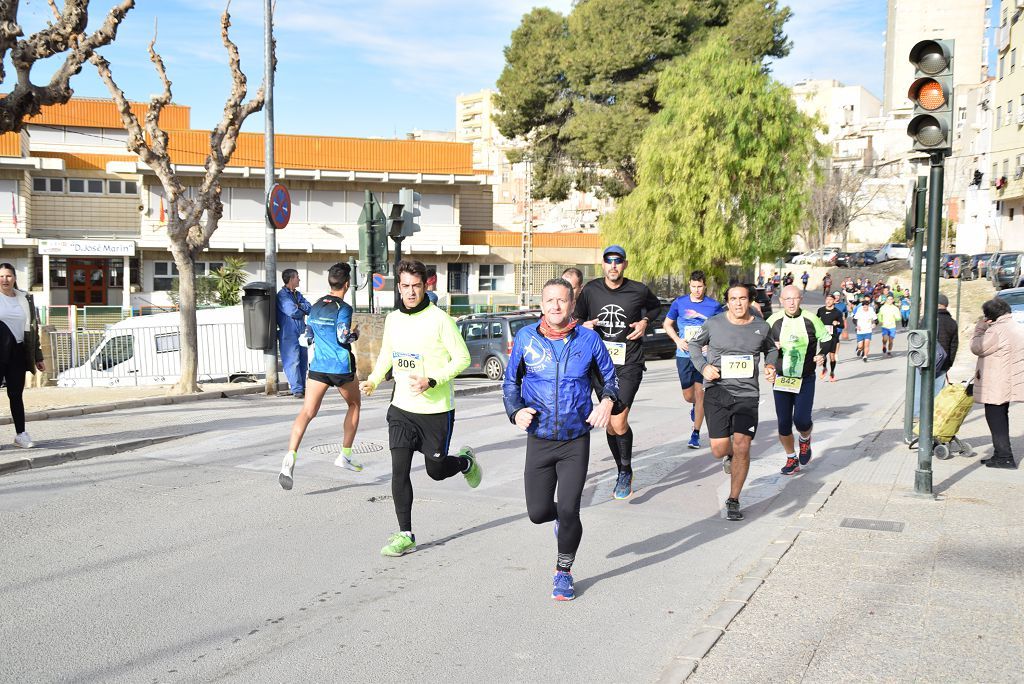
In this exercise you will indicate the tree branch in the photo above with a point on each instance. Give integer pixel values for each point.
(66, 35)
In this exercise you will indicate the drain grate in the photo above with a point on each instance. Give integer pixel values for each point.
(358, 447)
(874, 525)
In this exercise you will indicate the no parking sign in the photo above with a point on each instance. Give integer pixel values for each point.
(378, 281)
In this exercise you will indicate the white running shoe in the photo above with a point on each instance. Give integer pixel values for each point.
(23, 440)
(287, 469)
(348, 463)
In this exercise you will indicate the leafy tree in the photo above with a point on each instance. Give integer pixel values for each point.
(229, 279)
(580, 89)
(723, 169)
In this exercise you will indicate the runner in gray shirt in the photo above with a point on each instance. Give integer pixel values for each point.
(726, 351)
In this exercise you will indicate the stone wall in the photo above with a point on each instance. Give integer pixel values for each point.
(371, 330)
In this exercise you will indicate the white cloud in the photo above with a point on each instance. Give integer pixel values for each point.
(836, 39)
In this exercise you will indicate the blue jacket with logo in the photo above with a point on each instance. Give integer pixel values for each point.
(556, 378)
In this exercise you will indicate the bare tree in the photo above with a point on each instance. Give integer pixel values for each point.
(66, 34)
(823, 211)
(192, 213)
(841, 196)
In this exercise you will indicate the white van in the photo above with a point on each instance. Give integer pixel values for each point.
(893, 250)
(145, 350)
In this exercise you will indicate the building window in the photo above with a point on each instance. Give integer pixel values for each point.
(458, 278)
(1002, 66)
(1013, 59)
(119, 187)
(493, 278)
(1006, 168)
(81, 186)
(995, 173)
(1009, 112)
(999, 117)
(48, 185)
(164, 272)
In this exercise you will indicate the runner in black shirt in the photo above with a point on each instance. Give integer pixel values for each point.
(619, 309)
(834, 320)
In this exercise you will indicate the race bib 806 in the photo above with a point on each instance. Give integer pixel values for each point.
(404, 364)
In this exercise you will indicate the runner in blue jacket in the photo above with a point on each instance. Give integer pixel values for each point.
(292, 308)
(552, 371)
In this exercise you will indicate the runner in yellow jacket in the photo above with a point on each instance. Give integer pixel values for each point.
(423, 350)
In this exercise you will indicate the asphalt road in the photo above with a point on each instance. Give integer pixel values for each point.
(188, 562)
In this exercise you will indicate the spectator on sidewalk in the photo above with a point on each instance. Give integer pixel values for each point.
(432, 286)
(998, 342)
(292, 308)
(20, 351)
(948, 336)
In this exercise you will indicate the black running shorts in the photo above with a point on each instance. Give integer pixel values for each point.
(428, 433)
(629, 376)
(728, 415)
(332, 379)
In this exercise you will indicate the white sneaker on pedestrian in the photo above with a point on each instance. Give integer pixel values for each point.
(348, 463)
(23, 440)
(287, 469)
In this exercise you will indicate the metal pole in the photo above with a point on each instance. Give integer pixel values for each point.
(915, 303)
(398, 258)
(270, 257)
(959, 284)
(368, 213)
(923, 474)
(354, 274)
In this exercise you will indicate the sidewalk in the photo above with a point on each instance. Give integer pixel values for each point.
(881, 584)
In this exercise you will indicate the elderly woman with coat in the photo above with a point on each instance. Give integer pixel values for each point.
(19, 347)
(998, 342)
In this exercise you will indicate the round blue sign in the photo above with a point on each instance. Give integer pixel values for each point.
(279, 206)
(378, 281)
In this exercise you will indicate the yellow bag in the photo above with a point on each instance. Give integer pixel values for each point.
(952, 405)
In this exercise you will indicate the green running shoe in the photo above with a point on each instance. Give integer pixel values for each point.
(475, 472)
(399, 544)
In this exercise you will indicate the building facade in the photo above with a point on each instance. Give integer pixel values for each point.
(1006, 179)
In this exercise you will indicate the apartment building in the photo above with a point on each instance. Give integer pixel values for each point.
(1007, 151)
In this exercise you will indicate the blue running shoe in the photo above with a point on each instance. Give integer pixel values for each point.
(624, 485)
(563, 589)
(694, 442)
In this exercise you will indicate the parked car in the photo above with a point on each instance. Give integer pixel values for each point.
(828, 255)
(1015, 298)
(807, 258)
(976, 266)
(657, 343)
(893, 250)
(865, 258)
(946, 265)
(843, 259)
(489, 340)
(1007, 271)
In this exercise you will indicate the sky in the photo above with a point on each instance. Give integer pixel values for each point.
(384, 68)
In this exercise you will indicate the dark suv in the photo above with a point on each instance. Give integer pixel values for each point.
(1007, 271)
(489, 340)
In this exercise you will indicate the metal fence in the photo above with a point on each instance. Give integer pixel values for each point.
(148, 355)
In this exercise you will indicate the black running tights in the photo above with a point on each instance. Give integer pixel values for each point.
(12, 369)
(552, 465)
(438, 468)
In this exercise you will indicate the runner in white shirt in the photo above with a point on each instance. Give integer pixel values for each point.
(865, 317)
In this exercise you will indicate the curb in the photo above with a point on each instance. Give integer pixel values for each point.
(185, 398)
(693, 650)
(85, 453)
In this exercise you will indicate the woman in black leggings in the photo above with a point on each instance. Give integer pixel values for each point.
(552, 371)
(19, 347)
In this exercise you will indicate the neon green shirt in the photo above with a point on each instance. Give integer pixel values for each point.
(889, 315)
(427, 344)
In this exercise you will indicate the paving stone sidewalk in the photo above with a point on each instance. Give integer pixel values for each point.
(937, 598)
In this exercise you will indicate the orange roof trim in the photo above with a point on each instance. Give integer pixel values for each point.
(10, 145)
(85, 162)
(97, 113)
(331, 153)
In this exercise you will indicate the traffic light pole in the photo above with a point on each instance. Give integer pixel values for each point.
(925, 445)
(398, 258)
(915, 302)
(270, 234)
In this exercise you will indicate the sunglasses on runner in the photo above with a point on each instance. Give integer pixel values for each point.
(614, 260)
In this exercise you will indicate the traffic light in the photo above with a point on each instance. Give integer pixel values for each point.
(410, 199)
(396, 219)
(373, 237)
(931, 126)
(919, 348)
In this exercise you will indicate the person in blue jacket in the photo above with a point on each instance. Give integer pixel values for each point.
(553, 369)
(292, 308)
